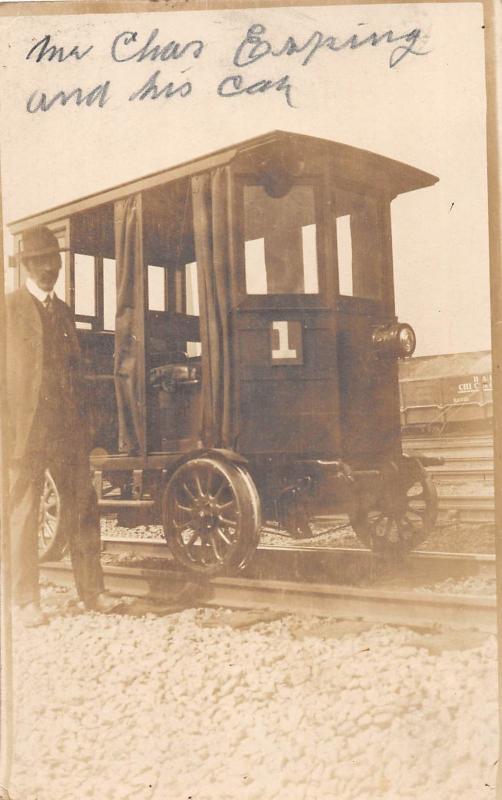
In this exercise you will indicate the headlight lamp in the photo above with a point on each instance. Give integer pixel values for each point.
(397, 339)
(407, 340)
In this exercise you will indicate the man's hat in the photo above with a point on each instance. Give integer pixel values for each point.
(39, 241)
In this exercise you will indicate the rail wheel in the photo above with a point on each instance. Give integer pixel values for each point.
(211, 516)
(404, 514)
(51, 538)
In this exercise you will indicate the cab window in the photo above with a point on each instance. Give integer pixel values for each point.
(94, 270)
(359, 245)
(281, 240)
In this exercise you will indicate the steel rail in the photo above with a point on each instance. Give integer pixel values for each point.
(449, 474)
(467, 459)
(470, 461)
(459, 443)
(322, 560)
(469, 508)
(373, 605)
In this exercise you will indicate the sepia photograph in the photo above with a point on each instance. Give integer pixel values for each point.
(247, 450)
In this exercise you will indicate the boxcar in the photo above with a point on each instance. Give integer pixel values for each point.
(447, 394)
(238, 332)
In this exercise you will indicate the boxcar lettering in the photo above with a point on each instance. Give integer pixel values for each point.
(253, 47)
(151, 90)
(232, 85)
(39, 101)
(121, 51)
(52, 53)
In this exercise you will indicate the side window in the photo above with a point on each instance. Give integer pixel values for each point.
(191, 289)
(60, 287)
(156, 288)
(85, 285)
(194, 348)
(95, 292)
(93, 268)
(281, 240)
(344, 247)
(172, 323)
(109, 293)
(359, 245)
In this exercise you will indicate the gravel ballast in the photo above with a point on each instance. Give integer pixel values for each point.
(199, 705)
(450, 537)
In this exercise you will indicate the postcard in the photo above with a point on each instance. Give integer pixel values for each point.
(247, 376)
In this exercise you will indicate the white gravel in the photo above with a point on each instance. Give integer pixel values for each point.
(110, 528)
(474, 488)
(336, 534)
(187, 707)
(481, 585)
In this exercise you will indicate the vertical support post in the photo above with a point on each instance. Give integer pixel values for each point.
(143, 332)
(131, 343)
(492, 28)
(387, 264)
(330, 238)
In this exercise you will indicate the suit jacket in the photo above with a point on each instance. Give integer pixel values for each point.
(24, 363)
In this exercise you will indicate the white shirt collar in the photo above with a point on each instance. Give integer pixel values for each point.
(37, 292)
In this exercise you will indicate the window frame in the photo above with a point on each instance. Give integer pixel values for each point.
(148, 267)
(97, 320)
(382, 205)
(243, 300)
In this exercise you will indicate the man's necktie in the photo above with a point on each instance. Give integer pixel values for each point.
(49, 304)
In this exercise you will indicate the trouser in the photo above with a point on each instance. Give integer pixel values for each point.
(79, 517)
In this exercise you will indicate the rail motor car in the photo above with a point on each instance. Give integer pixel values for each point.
(238, 332)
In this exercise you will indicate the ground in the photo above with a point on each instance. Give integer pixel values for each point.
(209, 704)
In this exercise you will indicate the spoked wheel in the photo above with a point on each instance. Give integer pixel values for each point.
(51, 539)
(404, 515)
(211, 516)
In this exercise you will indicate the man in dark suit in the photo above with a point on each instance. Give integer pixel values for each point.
(47, 429)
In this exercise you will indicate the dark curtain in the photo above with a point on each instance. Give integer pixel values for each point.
(210, 193)
(129, 326)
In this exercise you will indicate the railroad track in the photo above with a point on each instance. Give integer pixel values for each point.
(327, 560)
(482, 444)
(310, 562)
(375, 604)
(467, 508)
(462, 473)
(466, 458)
(463, 508)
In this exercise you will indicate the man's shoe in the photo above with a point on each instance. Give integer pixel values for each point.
(103, 603)
(32, 616)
